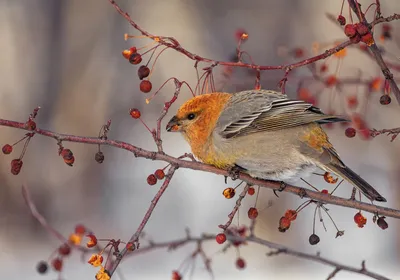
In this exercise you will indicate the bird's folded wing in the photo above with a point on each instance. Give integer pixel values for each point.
(254, 111)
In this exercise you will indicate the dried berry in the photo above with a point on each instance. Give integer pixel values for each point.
(229, 193)
(291, 215)
(7, 149)
(145, 86)
(151, 180)
(251, 191)
(128, 53)
(220, 238)
(92, 240)
(350, 132)
(350, 30)
(143, 72)
(360, 220)
(16, 165)
(313, 239)
(135, 58)
(341, 19)
(99, 157)
(80, 229)
(252, 213)
(329, 178)
(42, 267)
(367, 39)
(64, 250)
(240, 263)
(385, 99)
(362, 29)
(57, 264)
(135, 113)
(159, 174)
(382, 223)
(284, 224)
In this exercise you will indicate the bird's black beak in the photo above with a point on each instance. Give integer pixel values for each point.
(173, 124)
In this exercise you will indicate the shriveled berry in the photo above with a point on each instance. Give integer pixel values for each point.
(42, 267)
(360, 220)
(135, 58)
(350, 132)
(66, 154)
(229, 193)
(251, 191)
(220, 238)
(7, 149)
(382, 223)
(385, 99)
(350, 30)
(313, 239)
(80, 229)
(143, 72)
(151, 180)
(135, 113)
(57, 264)
(368, 39)
(159, 174)
(31, 125)
(362, 29)
(252, 213)
(284, 224)
(329, 178)
(92, 240)
(16, 165)
(291, 214)
(341, 19)
(240, 263)
(64, 250)
(145, 86)
(99, 157)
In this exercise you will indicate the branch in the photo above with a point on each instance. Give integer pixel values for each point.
(375, 51)
(138, 152)
(393, 131)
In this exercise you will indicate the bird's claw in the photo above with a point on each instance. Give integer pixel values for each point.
(281, 188)
(234, 172)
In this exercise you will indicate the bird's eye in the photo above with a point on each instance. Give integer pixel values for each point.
(191, 116)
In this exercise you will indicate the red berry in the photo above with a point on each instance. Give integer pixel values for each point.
(355, 39)
(42, 267)
(350, 132)
(252, 213)
(291, 215)
(251, 191)
(331, 80)
(325, 191)
(64, 250)
(145, 86)
(240, 263)
(70, 161)
(80, 229)
(57, 264)
(7, 149)
(239, 34)
(135, 58)
(323, 68)
(220, 238)
(31, 125)
(128, 53)
(384, 100)
(66, 154)
(159, 174)
(360, 220)
(362, 29)
(16, 165)
(341, 19)
(382, 223)
(350, 30)
(284, 224)
(176, 275)
(135, 113)
(143, 72)
(298, 53)
(130, 246)
(229, 193)
(368, 39)
(151, 180)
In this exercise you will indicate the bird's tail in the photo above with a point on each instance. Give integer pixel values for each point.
(357, 181)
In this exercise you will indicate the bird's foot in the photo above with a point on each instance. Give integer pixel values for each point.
(281, 188)
(234, 172)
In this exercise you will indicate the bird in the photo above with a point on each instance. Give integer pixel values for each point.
(263, 133)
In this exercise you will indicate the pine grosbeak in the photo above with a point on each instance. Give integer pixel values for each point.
(263, 133)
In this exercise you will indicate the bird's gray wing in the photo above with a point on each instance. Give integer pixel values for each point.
(254, 111)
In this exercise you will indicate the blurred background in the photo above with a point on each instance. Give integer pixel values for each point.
(65, 56)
